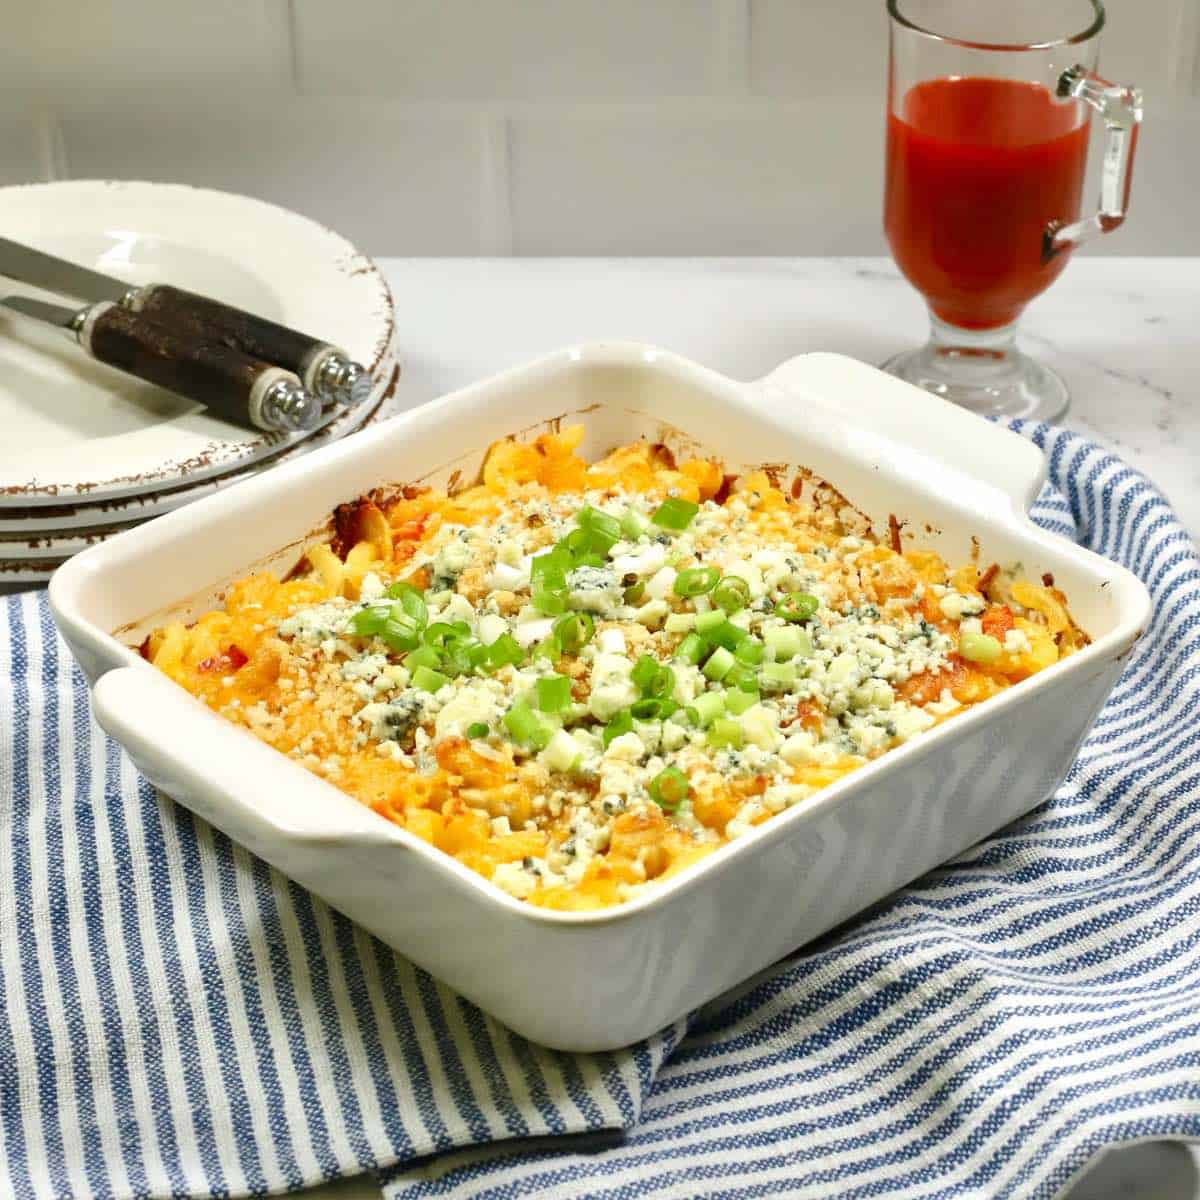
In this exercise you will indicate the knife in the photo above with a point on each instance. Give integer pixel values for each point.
(323, 369)
(226, 381)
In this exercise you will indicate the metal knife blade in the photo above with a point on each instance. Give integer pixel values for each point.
(28, 265)
(52, 314)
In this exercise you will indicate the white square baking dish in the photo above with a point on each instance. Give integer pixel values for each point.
(594, 981)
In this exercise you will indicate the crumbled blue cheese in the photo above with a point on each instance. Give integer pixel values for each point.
(955, 605)
(394, 719)
(481, 701)
(628, 747)
(944, 704)
(784, 795)
(1016, 641)
(643, 560)
(595, 589)
(515, 880)
(316, 623)
(610, 641)
(449, 563)
(611, 687)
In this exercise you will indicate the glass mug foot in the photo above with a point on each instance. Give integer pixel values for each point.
(983, 371)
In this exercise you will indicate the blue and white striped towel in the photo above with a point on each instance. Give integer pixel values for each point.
(176, 1019)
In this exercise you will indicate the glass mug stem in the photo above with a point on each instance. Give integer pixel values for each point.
(1121, 110)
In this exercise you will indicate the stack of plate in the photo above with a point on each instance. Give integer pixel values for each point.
(87, 451)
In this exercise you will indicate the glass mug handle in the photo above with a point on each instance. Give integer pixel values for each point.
(1121, 108)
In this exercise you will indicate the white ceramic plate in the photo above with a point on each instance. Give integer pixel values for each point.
(54, 521)
(78, 430)
(28, 542)
(20, 570)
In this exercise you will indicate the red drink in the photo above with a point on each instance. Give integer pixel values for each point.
(976, 167)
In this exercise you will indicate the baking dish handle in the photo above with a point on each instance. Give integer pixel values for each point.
(862, 396)
(223, 773)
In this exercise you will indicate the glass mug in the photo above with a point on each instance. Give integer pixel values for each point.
(988, 117)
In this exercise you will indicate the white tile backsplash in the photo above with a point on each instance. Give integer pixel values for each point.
(392, 183)
(533, 126)
(151, 46)
(519, 49)
(750, 179)
(800, 50)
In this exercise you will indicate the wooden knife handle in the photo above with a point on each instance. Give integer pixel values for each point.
(229, 383)
(206, 319)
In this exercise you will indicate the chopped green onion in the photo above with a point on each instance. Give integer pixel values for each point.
(412, 602)
(979, 647)
(726, 732)
(401, 633)
(605, 531)
(441, 633)
(781, 675)
(548, 648)
(706, 622)
(549, 602)
(477, 729)
(644, 670)
(741, 677)
(691, 649)
(633, 524)
(737, 701)
(428, 680)
(621, 723)
(574, 630)
(370, 621)
(719, 664)
(562, 752)
(669, 788)
(651, 709)
(549, 570)
(696, 581)
(423, 656)
(709, 706)
(788, 643)
(578, 542)
(662, 685)
(553, 693)
(797, 606)
(674, 514)
(528, 727)
(463, 655)
(505, 651)
(727, 634)
(732, 594)
(751, 652)
(680, 622)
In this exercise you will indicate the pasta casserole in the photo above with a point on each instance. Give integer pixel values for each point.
(577, 679)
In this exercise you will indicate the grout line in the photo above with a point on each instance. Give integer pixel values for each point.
(731, 46)
(280, 17)
(49, 146)
(1183, 67)
(495, 185)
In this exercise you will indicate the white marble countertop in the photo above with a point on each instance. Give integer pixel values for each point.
(1123, 333)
